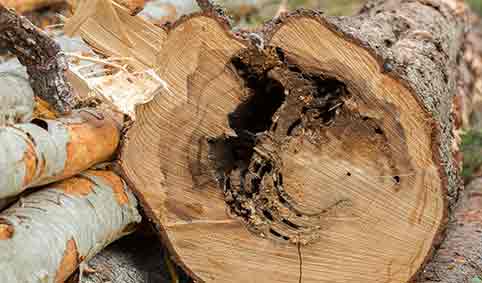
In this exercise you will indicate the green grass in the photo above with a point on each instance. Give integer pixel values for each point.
(472, 149)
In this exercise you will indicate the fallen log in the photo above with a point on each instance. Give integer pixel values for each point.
(319, 149)
(46, 235)
(45, 151)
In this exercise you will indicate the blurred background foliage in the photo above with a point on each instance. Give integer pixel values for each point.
(476, 5)
(253, 12)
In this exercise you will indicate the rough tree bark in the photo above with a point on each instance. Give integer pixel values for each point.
(458, 258)
(319, 149)
(42, 57)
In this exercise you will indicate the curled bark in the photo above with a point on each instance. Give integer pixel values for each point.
(45, 151)
(45, 236)
(41, 55)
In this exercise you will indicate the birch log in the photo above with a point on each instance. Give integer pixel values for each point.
(45, 151)
(45, 236)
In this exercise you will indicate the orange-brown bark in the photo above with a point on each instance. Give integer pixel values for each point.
(50, 150)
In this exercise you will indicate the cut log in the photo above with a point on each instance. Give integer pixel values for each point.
(46, 235)
(110, 29)
(45, 151)
(318, 151)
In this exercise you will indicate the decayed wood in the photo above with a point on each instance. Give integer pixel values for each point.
(45, 151)
(111, 30)
(42, 57)
(46, 235)
(318, 150)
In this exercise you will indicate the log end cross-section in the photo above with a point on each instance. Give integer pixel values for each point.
(303, 156)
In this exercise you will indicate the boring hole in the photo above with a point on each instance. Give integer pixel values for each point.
(396, 179)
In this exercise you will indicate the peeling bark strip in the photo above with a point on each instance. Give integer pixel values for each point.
(70, 222)
(41, 55)
(45, 151)
(318, 150)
